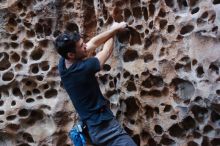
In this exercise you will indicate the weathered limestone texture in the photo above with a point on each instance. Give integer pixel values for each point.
(163, 79)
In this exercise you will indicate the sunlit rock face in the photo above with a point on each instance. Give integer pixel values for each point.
(162, 80)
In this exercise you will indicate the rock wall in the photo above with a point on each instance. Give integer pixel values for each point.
(163, 79)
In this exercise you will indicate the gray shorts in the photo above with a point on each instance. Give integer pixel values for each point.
(109, 133)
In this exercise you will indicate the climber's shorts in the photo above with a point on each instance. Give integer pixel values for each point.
(109, 133)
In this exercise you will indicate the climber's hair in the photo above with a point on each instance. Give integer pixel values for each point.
(66, 42)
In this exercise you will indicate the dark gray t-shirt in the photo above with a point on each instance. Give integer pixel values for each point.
(81, 85)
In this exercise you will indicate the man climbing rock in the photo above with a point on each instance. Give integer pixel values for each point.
(78, 77)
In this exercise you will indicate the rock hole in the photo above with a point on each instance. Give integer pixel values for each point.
(135, 37)
(39, 97)
(215, 116)
(192, 143)
(200, 72)
(196, 134)
(215, 141)
(194, 62)
(195, 10)
(23, 113)
(155, 93)
(215, 2)
(34, 69)
(148, 58)
(11, 117)
(44, 43)
(30, 100)
(14, 37)
(131, 106)
(186, 29)
(200, 21)
(35, 116)
(193, 2)
(149, 112)
(70, 5)
(24, 61)
(176, 131)
(28, 44)
(151, 24)
(151, 9)
(184, 89)
(148, 43)
(17, 92)
(27, 24)
(167, 141)
(205, 141)
(136, 139)
(188, 123)
(167, 108)
(199, 113)
(117, 14)
(137, 13)
(27, 137)
(38, 28)
(207, 129)
(103, 78)
(13, 103)
(169, 3)
(127, 14)
(204, 15)
(218, 92)
(24, 144)
(162, 13)
(182, 3)
(8, 76)
(106, 67)
(158, 129)
(14, 45)
(153, 81)
(134, 2)
(12, 22)
(145, 13)
(13, 127)
(28, 93)
(111, 84)
(15, 57)
(2, 112)
(36, 91)
(163, 23)
(1, 102)
(152, 142)
(36, 54)
(50, 93)
(173, 117)
(39, 78)
(5, 64)
(170, 28)
(71, 27)
(124, 37)
(30, 33)
(130, 55)
(44, 65)
(214, 68)
(215, 29)
(131, 86)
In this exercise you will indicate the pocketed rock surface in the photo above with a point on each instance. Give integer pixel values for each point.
(162, 80)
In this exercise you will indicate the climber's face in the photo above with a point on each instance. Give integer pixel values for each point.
(80, 49)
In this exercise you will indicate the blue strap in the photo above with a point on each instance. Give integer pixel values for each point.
(77, 137)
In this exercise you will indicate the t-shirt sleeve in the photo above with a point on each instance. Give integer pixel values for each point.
(92, 65)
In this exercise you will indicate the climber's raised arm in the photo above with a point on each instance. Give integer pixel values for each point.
(104, 36)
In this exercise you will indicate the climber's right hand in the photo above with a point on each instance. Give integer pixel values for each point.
(119, 26)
